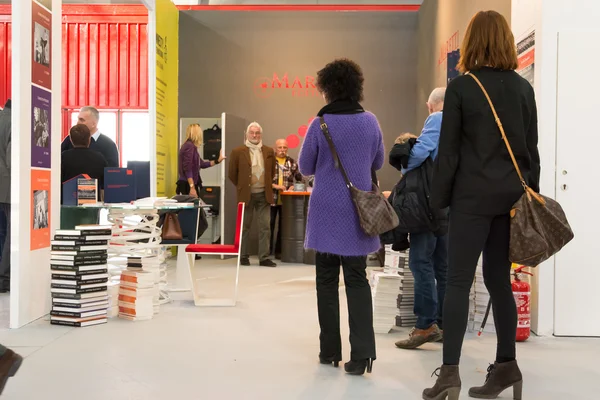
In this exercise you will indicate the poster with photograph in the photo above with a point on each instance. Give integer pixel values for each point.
(45, 3)
(41, 73)
(526, 56)
(40, 127)
(40, 209)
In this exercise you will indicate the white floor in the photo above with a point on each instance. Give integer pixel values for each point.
(265, 348)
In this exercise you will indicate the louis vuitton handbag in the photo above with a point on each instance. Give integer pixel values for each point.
(538, 224)
(375, 213)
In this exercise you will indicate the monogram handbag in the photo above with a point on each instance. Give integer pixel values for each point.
(538, 224)
(376, 215)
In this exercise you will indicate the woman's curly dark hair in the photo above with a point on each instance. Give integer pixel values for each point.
(341, 79)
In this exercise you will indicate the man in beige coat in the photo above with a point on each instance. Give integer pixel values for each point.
(251, 170)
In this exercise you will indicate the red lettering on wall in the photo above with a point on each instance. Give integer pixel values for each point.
(277, 82)
(297, 82)
(310, 82)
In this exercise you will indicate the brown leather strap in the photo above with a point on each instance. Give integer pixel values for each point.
(499, 123)
(336, 158)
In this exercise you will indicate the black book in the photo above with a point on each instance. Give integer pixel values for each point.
(87, 254)
(76, 275)
(78, 267)
(83, 238)
(79, 324)
(86, 314)
(77, 293)
(76, 284)
(101, 231)
(76, 307)
(79, 248)
(79, 242)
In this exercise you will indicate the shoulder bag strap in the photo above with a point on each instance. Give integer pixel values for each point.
(530, 192)
(336, 159)
(499, 123)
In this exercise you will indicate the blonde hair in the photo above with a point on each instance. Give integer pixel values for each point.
(405, 137)
(195, 134)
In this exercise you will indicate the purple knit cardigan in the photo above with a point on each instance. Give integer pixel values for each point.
(333, 225)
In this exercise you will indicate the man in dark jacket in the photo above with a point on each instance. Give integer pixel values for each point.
(89, 116)
(5, 167)
(429, 247)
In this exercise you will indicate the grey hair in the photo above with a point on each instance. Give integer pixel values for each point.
(437, 96)
(92, 110)
(254, 125)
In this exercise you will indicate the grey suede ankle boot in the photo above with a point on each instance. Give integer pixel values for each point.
(447, 386)
(500, 377)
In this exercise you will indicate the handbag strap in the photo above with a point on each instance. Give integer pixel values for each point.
(499, 123)
(529, 191)
(336, 158)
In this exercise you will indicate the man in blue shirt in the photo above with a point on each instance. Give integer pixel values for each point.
(428, 253)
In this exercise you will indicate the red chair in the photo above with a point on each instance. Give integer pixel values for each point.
(218, 249)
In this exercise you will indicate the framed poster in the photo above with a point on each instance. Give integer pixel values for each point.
(41, 71)
(40, 209)
(40, 127)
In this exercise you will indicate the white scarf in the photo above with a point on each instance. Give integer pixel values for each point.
(256, 152)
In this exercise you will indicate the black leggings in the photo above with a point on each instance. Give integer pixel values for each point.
(469, 235)
(360, 306)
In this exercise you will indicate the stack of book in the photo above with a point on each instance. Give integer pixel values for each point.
(153, 265)
(385, 291)
(137, 291)
(397, 262)
(113, 299)
(79, 270)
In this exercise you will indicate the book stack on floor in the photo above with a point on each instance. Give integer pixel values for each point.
(481, 300)
(406, 297)
(138, 290)
(79, 270)
(397, 262)
(385, 292)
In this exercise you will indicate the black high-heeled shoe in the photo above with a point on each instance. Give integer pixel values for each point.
(358, 367)
(329, 360)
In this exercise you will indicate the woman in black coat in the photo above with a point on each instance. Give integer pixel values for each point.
(475, 177)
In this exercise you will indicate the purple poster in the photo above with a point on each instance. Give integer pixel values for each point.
(40, 127)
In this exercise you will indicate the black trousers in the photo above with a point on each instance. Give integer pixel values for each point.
(469, 235)
(275, 239)
(360, 306)
(5, 260)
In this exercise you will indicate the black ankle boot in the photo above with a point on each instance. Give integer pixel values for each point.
(330, 360)
(357, 367)
(500, 377)
(447, 385)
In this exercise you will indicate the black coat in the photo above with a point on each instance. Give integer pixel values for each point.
(473, 170)
(411, 201)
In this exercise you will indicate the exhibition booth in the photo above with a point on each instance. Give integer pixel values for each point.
(224, 68)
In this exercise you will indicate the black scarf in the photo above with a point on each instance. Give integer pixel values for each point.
(343, 106)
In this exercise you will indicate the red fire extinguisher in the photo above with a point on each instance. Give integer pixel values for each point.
(522, 292)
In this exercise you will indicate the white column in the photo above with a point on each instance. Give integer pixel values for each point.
(151, 6)
(30, 267)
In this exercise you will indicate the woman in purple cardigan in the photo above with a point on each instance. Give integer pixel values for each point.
(190, 162)
(333, 229)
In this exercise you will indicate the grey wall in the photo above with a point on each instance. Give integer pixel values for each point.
(438, 21)
(225, 56)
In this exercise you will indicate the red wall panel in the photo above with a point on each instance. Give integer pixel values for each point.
(5, 61)
(105, 56)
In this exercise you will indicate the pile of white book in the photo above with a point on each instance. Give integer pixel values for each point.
(138, 291)
(384, 286)
(79, 276)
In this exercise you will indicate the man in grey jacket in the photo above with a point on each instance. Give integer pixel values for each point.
(5, 160)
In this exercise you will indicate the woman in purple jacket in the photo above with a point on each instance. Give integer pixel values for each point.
(333, 229)
(190, 162)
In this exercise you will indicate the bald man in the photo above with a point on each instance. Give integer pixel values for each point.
(285, 177)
